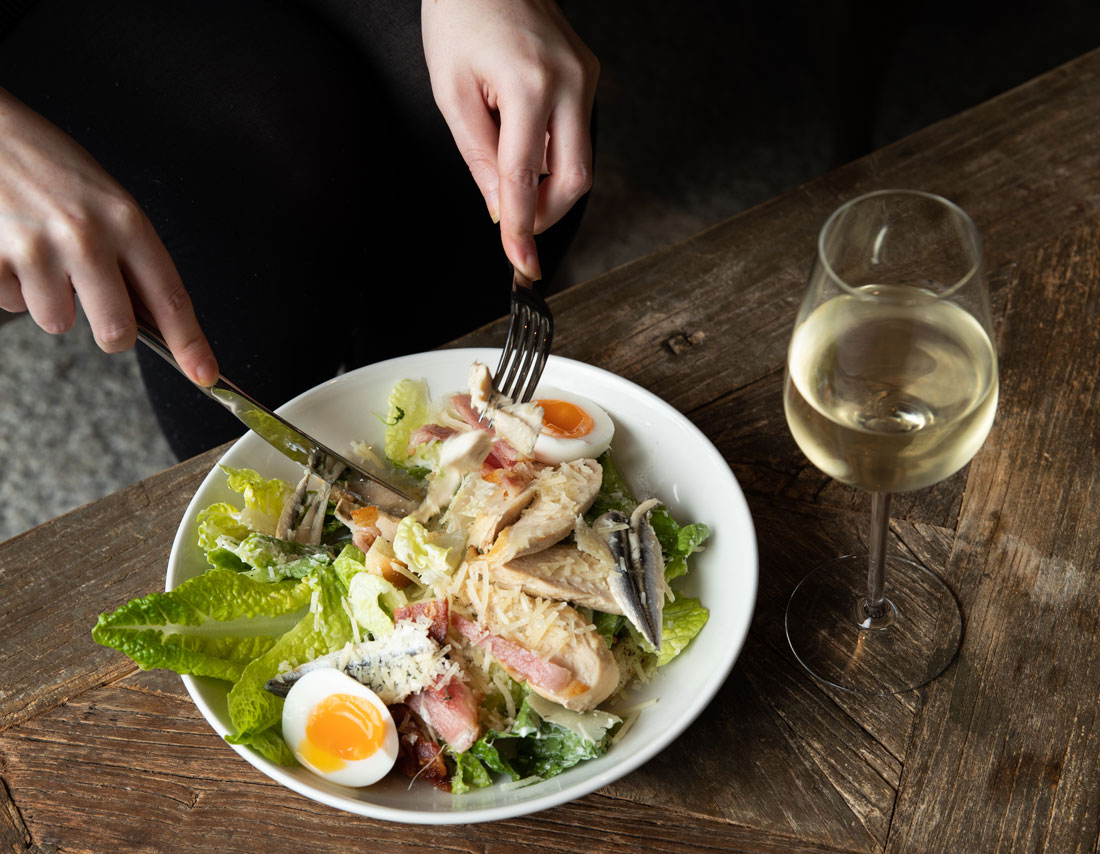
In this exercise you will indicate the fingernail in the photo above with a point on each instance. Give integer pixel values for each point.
(531, 267)
(207, 371)
(494, 208)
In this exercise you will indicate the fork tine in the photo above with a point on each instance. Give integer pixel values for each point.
(506, 374)
(540, 351)
(527, 346)
(521, 366)
(510, 344)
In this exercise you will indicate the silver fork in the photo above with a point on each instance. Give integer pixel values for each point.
(527, 346)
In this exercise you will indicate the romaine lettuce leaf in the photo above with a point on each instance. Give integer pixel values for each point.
(211, 625)
(272, 559)
(432, 556)
(608, 625)
(614, 493)
(221, 525)
(263, 498)
(469, 773)
(543, 745)
(324, 629)
(677, 541)
(373, 600)
(349, 563)
(409, 408)
(681, 621)
(269, 744)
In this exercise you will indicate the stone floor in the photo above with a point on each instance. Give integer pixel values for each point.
(706, 109)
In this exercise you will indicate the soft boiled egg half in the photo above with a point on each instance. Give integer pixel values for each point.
(339, 728)
(573, 427)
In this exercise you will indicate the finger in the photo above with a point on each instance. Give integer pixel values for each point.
(156, 284)
(48, 295)
(103, 296)
(11, 294)
(569, 162)
(521, 152)
(477, 137)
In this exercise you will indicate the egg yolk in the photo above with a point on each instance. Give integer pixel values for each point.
(564, 420)
(342, 727)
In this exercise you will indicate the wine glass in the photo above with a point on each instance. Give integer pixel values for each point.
(891, 385)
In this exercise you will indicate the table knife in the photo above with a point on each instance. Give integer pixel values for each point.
(293, 442)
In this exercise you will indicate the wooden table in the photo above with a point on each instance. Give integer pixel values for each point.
(1002, 753)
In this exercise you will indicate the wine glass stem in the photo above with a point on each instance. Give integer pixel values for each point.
(875, 607)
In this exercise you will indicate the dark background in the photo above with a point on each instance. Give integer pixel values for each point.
(708, 108)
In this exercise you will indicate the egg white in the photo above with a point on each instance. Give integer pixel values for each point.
(303, 697)
(552, 450)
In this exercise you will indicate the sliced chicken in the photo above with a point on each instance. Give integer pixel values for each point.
(562, 494)
(546, 644)
(460, 454)
(518, 424)
(502, 509)
(561, 572)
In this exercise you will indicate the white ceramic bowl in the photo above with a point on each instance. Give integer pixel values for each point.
(659, 452)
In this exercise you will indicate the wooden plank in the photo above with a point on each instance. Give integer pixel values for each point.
(140, 770)
(1011, 733)
(56, 579)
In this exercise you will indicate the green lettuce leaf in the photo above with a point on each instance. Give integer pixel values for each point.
(263, 497)
(272, 559)
(614, 493)
(469, 773)
(324, 629)
(409, 408)
(373, 600)
(681, 621)
(432, 556)
(543, 744)
(220, 526)
(677, 541)
(607, 625)
(349, 563)
(269, 744)
(211, 625)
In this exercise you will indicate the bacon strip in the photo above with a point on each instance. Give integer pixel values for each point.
(451, 710)
(428, 433)
(418, 755)
(519, 661)
(436, 610)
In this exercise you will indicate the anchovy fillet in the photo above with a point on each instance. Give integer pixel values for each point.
(628, 583)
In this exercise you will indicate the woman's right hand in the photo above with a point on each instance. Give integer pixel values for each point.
(67, 227)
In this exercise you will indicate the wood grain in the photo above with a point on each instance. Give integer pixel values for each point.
(57, 579)
(1025, 559)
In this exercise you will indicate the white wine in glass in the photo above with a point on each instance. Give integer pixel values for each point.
(891, 386)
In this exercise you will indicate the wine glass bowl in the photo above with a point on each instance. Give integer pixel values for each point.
(891, 386)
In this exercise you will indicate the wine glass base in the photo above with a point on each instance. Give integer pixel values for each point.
(834, 638)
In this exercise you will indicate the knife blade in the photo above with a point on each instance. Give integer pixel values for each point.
(295, 443)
